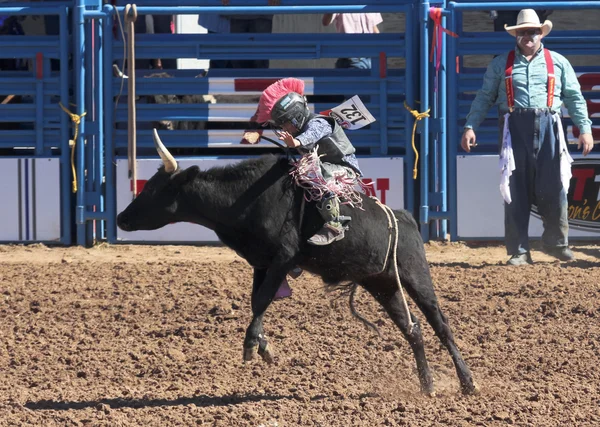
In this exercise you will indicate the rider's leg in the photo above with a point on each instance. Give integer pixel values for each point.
(332, 230)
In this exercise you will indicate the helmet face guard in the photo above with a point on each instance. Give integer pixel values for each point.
(291, 108)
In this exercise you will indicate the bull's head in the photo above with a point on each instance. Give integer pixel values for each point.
(156, 206)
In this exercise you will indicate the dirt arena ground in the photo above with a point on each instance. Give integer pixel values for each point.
(152, 336)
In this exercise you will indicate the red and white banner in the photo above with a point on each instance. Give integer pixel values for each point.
(386, 174)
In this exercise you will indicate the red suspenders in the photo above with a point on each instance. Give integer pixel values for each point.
(508, 80)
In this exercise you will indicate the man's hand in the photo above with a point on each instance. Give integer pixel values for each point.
(468, 140)
(289, 140)
(274, 2)
(225, 2)
(587, 141)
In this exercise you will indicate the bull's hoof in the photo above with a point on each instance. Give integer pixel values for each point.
(428, 390)
(249, 353)
(265, 353)
(470, 389)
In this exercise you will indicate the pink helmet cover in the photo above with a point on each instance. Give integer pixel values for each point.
(273, 93)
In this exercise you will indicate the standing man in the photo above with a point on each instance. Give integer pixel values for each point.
(354, 23)
(529, 84)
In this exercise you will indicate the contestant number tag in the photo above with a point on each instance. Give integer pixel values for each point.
(351, 114)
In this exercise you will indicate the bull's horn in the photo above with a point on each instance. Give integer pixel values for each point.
(167, 158)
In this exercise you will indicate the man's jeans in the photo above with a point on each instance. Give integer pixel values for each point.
(536, 180)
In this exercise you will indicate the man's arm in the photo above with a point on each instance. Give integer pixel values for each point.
(577, 107)
(573, 98)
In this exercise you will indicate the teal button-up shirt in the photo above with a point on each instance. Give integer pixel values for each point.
(530, 83)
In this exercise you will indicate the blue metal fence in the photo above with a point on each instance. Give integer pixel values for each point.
(35, 126)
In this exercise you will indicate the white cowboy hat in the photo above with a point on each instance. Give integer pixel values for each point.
(529, 19)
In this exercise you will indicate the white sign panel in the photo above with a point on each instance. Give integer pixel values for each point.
(386, 174)
(30, 190)
(480, 205)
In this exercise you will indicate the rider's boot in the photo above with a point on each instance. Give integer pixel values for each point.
(333, 229)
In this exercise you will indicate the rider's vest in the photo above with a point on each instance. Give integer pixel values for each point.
(335, 146)
(508, 80)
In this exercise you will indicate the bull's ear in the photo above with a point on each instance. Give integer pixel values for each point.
(185, 175)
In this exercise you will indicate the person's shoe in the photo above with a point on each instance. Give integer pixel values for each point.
(284, 291)
(520, 259)
(329, 233)
(563, 253)
(295, 272)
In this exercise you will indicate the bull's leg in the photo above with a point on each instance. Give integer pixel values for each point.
(420, 288)
(255, 329)
(264, 287)
(388, 295)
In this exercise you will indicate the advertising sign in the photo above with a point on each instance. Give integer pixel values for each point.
(481, 208)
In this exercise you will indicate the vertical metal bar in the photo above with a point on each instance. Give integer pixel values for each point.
(90, 137)
(452, 123)
(131, 102)
(411, 42)
(39, 104)
(65, 166)
(79, 91)
(424, 152)
(380, 71)
(109, 160)
(99, 115)
(47, 102)
(443, 135)
(434, 141)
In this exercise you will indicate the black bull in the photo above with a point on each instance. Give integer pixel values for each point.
(255, 210)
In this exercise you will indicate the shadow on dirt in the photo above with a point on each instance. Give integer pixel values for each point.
(463, 264)
(200, 401)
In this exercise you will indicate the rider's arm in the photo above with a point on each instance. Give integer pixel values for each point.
(316, 129)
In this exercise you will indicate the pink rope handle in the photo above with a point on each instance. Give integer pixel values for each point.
(307, 175)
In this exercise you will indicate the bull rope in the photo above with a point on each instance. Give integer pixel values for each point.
(307, 175)
(130, 18)
(390, 214)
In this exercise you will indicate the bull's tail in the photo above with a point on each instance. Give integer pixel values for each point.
(369, 325)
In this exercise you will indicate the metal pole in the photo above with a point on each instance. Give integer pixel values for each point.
(130, 18)
(424, 140)
(65, 168)
(443, 135)
(99, 115)
(79, 90)
(452, 125)
(410, 78)
(107, 79)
